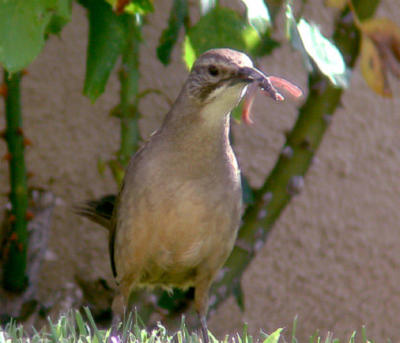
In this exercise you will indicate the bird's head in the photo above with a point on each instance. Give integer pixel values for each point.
(219, 78)
(219, 73)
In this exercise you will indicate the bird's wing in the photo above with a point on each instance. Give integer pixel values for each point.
(113, 221)
(99, 210)
(113, 230)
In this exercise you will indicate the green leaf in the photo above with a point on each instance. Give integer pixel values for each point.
(22, 31)
(117, 170)
(140, 6)
(364, 334)
(97, 332)
(245, 331)
(293, 35)
(82, 328)
(273, 337)
(294, 328)
(107, 38)
(220, 27)
(308, 39)
(258, 15)
(236, 113)
(264, 45)
(325, 54)
(353, 337)
(189, 54)
(169, 36)
(224, 28)
(61, 17)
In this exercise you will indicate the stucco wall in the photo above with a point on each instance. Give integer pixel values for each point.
(333, 257)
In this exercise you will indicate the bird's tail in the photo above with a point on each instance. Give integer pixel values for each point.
(99, 211)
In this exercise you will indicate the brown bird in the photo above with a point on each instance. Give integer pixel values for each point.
(178, 211)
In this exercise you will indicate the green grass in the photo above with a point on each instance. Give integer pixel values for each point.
(73, 328)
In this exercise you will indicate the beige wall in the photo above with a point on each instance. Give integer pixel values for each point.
(332, 259)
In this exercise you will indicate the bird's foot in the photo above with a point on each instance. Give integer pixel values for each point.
(204, 329)
(115, 336)
(115, 339)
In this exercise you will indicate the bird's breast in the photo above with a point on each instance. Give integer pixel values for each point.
(176, 217)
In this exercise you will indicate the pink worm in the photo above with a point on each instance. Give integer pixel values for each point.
(267, 87)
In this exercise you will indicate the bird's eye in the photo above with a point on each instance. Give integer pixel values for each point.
(213, 70)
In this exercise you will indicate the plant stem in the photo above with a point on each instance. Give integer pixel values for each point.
(129, 78)
(286, 178)
(14, 266)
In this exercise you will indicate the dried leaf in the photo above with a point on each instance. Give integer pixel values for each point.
(386, 36)
(141, 7)
(382, 30)
(338, 4)
(373, 68)
(120, 6)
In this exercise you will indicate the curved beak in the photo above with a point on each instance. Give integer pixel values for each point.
(254, 75)
(258, 79)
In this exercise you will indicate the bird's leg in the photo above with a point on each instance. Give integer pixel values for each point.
(204, 328)
(118, 311)
(201, 305)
